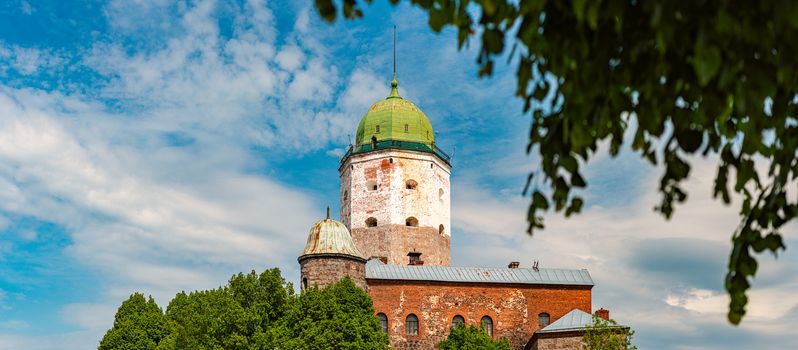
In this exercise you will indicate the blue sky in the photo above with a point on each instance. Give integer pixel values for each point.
(160, 146)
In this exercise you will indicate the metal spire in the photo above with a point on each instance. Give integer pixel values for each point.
(394, 82)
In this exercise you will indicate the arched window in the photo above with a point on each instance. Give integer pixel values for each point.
(440, 228)
(371, 222)
(411, 184)
(411, 221)
(304, 284)
(487, 325)
(440, 194)
(543, 319)
(371, 185)
(383, 321)
(457, 320)
(377, 129)
(411, 325)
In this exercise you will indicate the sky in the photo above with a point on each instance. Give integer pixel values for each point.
(160, 146)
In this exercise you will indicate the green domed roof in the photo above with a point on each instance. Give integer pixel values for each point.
(395, 118)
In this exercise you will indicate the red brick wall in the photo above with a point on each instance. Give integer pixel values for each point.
(323, 270)
(513, 308)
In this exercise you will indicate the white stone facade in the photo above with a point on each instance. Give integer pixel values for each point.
(392, 171)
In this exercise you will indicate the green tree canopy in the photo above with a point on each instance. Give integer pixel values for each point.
(677, 77)
(252, 312)
(462, 337)
(139, 324)
(340, 316)
(607, 335)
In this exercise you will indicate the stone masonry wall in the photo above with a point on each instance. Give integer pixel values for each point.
(514, 308)
(395, 241)
(557, 341)
(392, 203)
(322, 271)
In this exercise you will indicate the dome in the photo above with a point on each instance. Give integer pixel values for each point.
(330, 237)
(395, 118)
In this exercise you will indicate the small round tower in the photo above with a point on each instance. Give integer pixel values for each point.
(330, 255)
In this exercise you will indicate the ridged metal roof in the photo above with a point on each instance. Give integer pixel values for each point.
(377, 270)
(330, 237)
(573, 321)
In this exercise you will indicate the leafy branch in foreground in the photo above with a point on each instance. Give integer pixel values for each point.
(682, 77)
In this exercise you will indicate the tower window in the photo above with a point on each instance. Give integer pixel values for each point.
(371, 222)
(383, 322)
(371, 185)
(377, 129)
(407, 128)
(411, 325)
(411, 221)
(543, 319)
(304, 284)
(411, 184)
(457, 320)
(440, 194)
(487, 325)
(346, 195)
(440, 228)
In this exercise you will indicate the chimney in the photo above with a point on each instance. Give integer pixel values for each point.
(603, 313)
(513, 265)
(415, 258)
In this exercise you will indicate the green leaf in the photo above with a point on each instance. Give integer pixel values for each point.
(706, 63)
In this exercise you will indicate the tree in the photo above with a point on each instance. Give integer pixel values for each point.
(138, 324)
(240, 315)
(340, 316)
(607, 335)
(462, 337)
(678, 77)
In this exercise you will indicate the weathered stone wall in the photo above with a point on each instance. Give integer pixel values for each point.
(395, 241)
(558, 341)
(392, 203)
(323, 270)
(514, 308)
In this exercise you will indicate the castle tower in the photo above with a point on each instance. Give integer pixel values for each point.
(330, 255)
(395, 186)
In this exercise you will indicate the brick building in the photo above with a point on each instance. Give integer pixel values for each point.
(394, 242)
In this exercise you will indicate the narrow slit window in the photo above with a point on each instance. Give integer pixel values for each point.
(407, 128)
(377, 129)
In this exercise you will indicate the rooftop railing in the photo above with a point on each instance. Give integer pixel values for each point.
(397, 144)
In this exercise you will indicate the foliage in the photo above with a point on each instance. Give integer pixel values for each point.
(607, 335)
(672, 78)
(138, 324)
(253, 311)
(237, 316)
(462, 337)
(340, 316)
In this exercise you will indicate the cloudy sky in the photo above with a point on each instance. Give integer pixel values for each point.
(159, 146)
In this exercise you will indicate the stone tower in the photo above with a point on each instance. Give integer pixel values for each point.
(395, 186)
(330, 255)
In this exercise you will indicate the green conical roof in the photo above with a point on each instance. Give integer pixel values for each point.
(395, 118)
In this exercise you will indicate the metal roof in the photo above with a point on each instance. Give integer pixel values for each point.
(377, 270)
(330, 237)
(575, 320)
